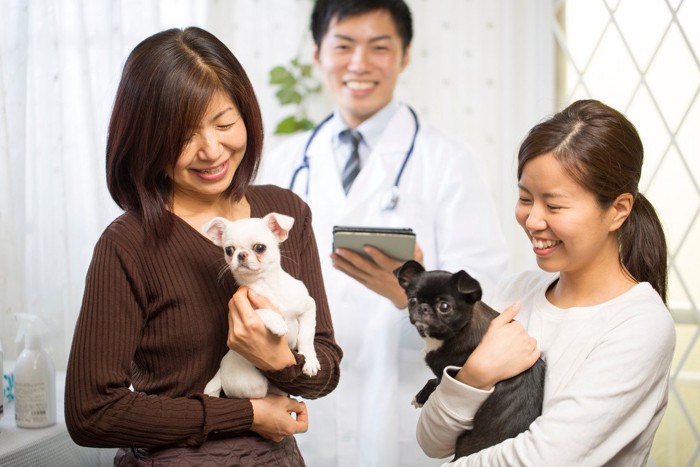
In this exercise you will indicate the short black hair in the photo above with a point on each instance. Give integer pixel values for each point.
(326, 10)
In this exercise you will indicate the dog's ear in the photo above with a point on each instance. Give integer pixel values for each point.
(467, 285)
(407, 271)
(215, 230)
(279, 224)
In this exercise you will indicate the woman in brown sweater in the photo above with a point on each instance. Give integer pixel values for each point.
(160, 307)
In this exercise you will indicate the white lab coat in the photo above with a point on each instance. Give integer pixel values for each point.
(369, 420)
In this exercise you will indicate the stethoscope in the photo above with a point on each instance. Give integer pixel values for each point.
(391, 199)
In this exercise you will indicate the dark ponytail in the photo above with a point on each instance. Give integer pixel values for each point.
(600, 149)
(643, 246)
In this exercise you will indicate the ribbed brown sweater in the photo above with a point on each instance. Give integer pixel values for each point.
(156, 317)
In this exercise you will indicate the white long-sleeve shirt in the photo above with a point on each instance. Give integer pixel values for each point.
(606, 386)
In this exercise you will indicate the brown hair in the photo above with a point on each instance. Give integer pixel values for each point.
(600, 149)
(165, 88)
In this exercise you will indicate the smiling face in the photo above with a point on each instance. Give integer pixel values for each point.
(569, 231)
(361, 58)
(207, 164)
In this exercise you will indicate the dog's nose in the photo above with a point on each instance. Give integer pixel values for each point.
(242, 256)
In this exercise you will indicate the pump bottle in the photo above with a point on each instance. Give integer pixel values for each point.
(35, 377)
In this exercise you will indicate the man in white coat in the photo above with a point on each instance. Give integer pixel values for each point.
(410, 176)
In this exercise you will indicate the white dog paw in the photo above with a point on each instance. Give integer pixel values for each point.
(274, 322)
(311, 365)
(277, 327)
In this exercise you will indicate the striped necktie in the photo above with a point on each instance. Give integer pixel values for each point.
(351, 138)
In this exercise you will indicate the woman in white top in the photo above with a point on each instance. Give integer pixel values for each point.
(596, 313)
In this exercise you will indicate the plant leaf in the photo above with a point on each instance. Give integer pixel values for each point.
(306, 124)
(288, 95)
(287, 126)
(306, 70)
(280, 75)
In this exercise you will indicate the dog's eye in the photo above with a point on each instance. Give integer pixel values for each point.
(259, 248)
(444, 307)
(228, 250)
(413, 301)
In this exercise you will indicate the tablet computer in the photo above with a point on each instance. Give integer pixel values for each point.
(399, 243)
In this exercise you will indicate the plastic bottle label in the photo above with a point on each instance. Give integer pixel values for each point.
(31, 402)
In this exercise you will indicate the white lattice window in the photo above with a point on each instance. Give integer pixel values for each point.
(643, 58)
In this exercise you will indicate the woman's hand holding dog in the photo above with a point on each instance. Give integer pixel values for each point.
(248, 336)
(275, 417)
(506, 350)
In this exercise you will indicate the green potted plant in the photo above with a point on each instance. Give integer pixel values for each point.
(295, 83)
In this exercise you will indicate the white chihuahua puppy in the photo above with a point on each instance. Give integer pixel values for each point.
(251, 247)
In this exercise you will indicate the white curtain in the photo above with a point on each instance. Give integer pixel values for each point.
(472, 74)
(60, 62)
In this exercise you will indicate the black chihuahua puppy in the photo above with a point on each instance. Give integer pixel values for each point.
(446, 310)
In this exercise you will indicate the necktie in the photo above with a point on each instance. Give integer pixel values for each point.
(352, 139)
